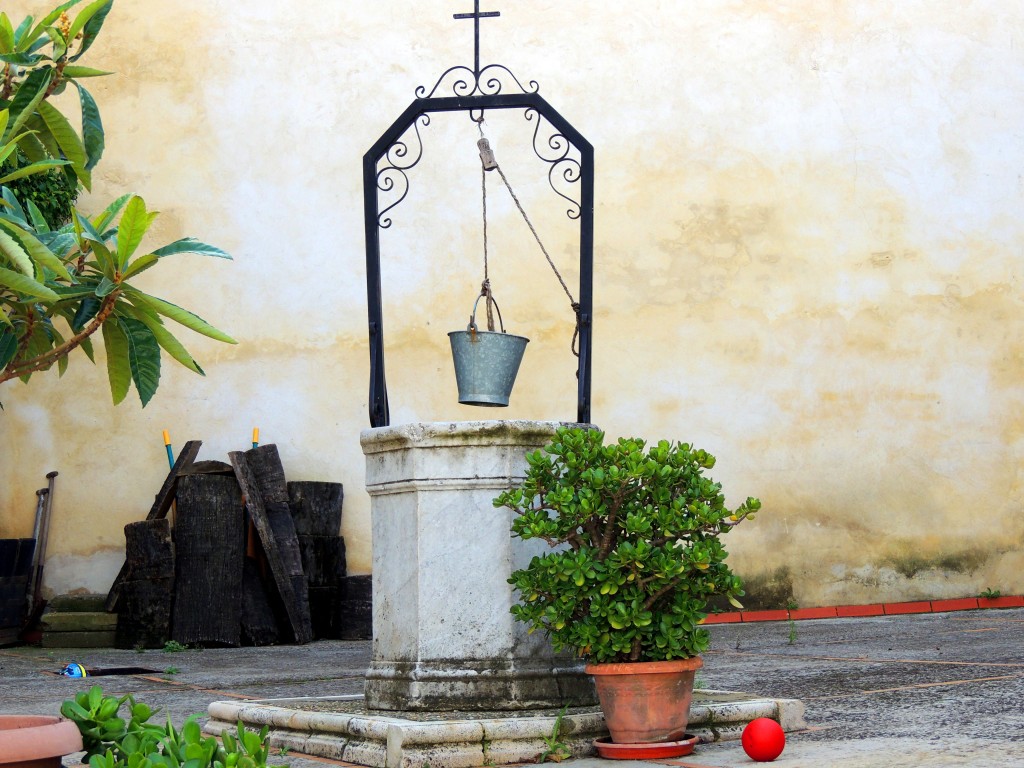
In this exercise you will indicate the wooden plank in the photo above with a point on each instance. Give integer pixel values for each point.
(259, 625)
(165, 495)
(209, 551)
(316, 507)
(208, 468)
(276, 532)
(161, 504)
(149, 550)
(265, 463)
(356, 608)
(144, 618)
(323, 560)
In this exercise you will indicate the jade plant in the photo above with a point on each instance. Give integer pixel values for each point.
(636, 545)
(68, 277)
(112, 741)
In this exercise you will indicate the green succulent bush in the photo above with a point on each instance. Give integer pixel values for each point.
(112, 741)
(637, 550)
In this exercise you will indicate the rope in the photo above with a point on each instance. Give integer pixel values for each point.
(485, 286)
(485, 289)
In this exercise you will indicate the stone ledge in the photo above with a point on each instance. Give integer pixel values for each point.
(338, 727)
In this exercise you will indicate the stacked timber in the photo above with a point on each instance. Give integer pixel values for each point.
(251, 559)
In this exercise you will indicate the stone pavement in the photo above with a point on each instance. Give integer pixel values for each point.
(915, 690)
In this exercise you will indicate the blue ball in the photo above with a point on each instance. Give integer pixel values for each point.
(74, 670)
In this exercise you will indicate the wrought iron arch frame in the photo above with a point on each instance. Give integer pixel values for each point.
(375, 179)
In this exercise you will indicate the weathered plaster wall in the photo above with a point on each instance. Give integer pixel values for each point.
(807, 262)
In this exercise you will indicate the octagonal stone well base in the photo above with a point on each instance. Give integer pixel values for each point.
(342, 728)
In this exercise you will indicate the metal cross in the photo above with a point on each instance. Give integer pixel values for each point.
(476, 15)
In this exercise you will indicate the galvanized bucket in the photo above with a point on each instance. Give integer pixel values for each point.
(486, 363)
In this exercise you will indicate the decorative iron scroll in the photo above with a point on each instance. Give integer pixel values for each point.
(561, 156)
(470, 83)
(396, 162)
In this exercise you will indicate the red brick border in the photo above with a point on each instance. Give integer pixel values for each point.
(780, 615)
(894, 609)
(814, 613)
(964, 604)
(723, 618)
(846, 611)
(876, 609)
(1012, 601)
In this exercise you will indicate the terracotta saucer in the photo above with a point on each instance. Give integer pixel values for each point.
(650, 751)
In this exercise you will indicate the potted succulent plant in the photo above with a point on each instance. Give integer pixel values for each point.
(636, 554)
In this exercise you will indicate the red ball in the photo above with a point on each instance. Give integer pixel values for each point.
(763, 740)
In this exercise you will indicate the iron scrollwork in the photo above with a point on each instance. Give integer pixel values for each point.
(564, 167)
(397, 160)
(470, 83)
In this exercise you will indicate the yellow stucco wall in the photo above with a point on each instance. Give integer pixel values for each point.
(807, 261)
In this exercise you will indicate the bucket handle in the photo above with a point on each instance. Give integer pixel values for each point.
(472, 318)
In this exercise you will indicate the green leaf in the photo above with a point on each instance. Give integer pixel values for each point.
(38, 252)
(141, 264)
(92, 127)
(177, 314)
(38, 220)
(85, 229)
(104, 258)
(20, 59)
(102, 221)
(29, 96)
(95, 697)
(28, 170)
(62, 361)
(39, 145)
(106, 287)
(92, 29)
(73, 71)
(60, 44)
(6, 34)
(68, 141)
(87, 310)
(84, 16)
(15, 253)
(190, 245)
(734, 602)
(86, 346)
(48, 19)
(8, 346)
(167, 341)
(143, 357)
(134, 223)
(22, 30)
(119, 371)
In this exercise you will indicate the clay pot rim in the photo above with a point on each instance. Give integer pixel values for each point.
(32, 737)
(645, 667)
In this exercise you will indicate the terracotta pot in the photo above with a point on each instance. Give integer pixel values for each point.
(36, 741)
(646, 701)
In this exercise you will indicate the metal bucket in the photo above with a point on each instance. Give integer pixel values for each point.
(486, 363)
